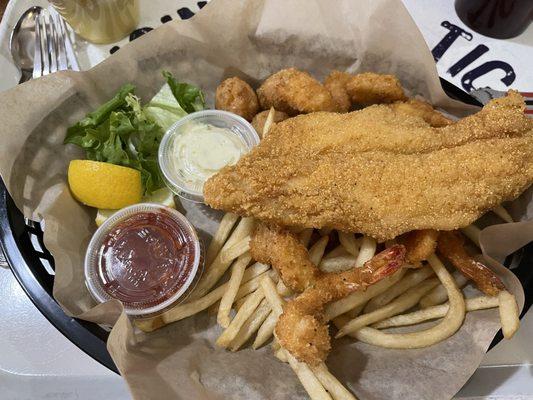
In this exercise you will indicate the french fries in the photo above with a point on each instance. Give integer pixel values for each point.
(266, 330)
(439, 295)
(349, 243)
(336, 252)
(217, 268)
(252, 324)
(502, 213)
(426, 314)
(235, 251)
(309, 381)
(410, 280)
(331, 384)
(337, 264)
(305, 236)
(237, 272)
(226, 225)
(444, 329)
(317, 250)
(367, 251)
(271, 294)
(249, 306)
(472, 232)
(509, 314)
(357, 298)
(404, 302)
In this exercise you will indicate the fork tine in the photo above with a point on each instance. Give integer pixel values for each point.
(37, 57)
(45, 40)
(52, 41)
(60, 36)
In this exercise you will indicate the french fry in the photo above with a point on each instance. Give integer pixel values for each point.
(337, 264)
(366, 251)
(269, 122)
(250, 278)
(238, 303)
(336, 252)
(240, 318)
(325, 231)
(472, 232)
(439, 295)
(235, 251)
(411, 279)
(309, 381)
(444, 329)
(266, 330)
(237, 272)
(349, 243)
(404, 302)
(509, 314)
(217, 268)
(305, 236)
(426, 314)
(331, 384)
(252, 324)
(281, 355)
(502, 213)
(361, 297)
(282, 289)
(317, 250)
(271, 294)
(222, 233)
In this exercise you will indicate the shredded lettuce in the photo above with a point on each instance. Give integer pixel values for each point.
(123, 132)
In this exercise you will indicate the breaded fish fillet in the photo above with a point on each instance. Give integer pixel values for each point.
(381, 171)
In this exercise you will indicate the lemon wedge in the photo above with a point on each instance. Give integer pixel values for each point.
(104, 185)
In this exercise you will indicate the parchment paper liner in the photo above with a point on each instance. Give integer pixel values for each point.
(252, 39)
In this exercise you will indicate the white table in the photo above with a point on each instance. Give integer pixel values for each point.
(37, 362)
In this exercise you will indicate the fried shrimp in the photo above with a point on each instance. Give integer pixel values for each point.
(259, 120)
(282, 249)
(302, 328)
(236, 96)
(336, 83)
(294, 92)
(419, 245)
(451, 246)
(371, 88)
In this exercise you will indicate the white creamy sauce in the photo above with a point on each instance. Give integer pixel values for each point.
(202, 150)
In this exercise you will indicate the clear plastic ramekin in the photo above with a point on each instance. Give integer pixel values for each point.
(221, 119)
(175, 275)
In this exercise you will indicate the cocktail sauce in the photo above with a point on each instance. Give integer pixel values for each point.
(145, 259)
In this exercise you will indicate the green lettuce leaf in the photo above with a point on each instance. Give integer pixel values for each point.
(189, 97)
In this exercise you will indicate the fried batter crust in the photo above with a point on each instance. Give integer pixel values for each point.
(371, 88)
(381, 172)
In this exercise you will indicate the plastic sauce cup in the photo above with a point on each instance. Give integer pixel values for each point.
(182, 181)
(146, 255)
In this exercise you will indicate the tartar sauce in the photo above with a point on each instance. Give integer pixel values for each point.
(202, 150)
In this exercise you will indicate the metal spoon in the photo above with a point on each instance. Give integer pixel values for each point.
(22, 42)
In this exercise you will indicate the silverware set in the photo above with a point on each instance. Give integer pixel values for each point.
(40, 44)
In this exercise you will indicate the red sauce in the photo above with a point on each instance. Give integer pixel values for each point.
(146, 259)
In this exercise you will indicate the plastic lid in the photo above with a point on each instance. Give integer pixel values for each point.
(179, 181)
(146, 255)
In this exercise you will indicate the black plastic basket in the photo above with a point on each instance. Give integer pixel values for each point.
(33, 266)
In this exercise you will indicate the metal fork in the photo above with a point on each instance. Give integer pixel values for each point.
(51, 45)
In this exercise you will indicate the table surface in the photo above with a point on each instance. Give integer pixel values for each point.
(49, 366)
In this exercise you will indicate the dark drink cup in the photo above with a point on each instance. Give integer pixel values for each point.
(501, 19)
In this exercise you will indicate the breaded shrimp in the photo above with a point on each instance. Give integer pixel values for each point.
(259, 120)
(451, 246)
(302, 328)
(419, 245)
(371, 88)
(236, 96)
(294, 92)
(336, 83)
(282, 249)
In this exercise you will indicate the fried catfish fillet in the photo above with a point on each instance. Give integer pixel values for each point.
(380, 171)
